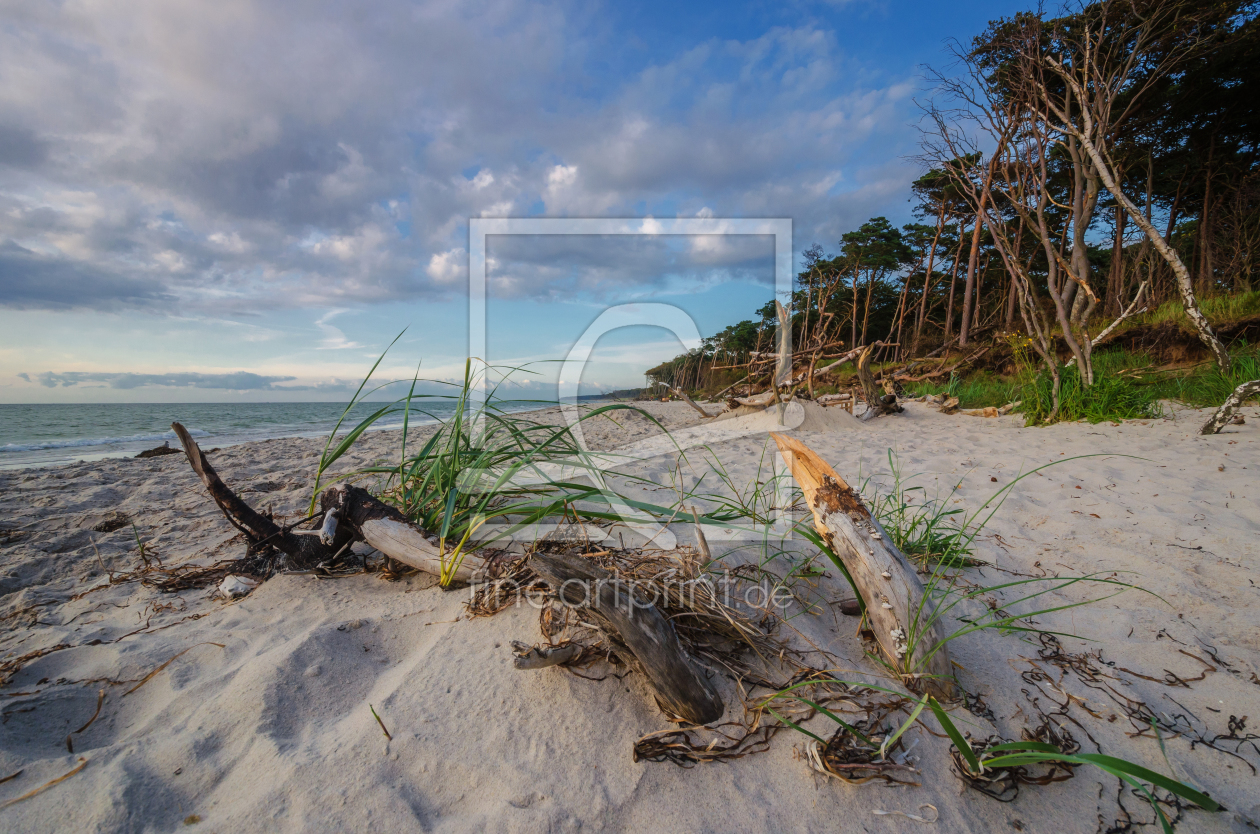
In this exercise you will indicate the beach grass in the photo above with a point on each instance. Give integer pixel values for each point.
(485, 473)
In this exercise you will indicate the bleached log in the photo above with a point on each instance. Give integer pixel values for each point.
(385, 529)
(644, 639)
(759, 400)
(1232, 403)
(532, 657)
(902, 622)
(683, 395)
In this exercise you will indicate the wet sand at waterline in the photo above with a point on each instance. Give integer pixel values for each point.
(271, 729)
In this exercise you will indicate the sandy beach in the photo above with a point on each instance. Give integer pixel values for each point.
(261, 719)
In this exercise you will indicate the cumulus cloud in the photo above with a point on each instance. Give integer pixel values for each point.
(272, 153)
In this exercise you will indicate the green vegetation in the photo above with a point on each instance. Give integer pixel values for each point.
(484, 465)
(1127, 386)
(1218, 308)
(1013, 754)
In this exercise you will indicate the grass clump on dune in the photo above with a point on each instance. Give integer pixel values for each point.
(484, 473)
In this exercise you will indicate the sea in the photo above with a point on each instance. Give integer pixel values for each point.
(48, 435)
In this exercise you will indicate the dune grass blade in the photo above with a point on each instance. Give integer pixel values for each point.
(914, 716)
(325, 459)
(1023, 753)
(486, 473)
(964, 747)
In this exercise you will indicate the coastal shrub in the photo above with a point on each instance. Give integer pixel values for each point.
(1111, 398)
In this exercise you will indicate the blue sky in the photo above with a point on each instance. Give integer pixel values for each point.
(247, 200)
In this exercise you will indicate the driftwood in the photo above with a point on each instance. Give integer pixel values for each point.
(164, 449)
(876, 403)
(259, 530)
(650, 645)
(848, 357)
(351, 514)
(683, 395)
(1232, 403)
(535, 657)
(761, 400)
(719, 394)
(912, 643)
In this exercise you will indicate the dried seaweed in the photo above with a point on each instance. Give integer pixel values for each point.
(688, 747)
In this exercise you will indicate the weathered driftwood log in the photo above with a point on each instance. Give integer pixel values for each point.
(898, 615)
(683, 396)
(876, 403)
(1232, 403)
(535, 657)
(757, 400)
(350, 514)
(650, 645)
(386, 529)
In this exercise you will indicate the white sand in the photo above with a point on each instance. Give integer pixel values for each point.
(273, 731)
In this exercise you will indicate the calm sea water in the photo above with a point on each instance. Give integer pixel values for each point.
(44, 435)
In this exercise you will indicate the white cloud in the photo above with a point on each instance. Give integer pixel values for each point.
(334, 338)
(449, 268)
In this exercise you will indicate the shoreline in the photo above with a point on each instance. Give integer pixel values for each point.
(63, 451)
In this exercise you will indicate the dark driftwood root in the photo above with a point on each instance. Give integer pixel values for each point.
(303, 551)
(652, 647)
(357, 517)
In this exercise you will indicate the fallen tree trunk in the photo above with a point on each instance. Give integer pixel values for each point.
(912, 641)
(1232, 403)
(642, 637)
